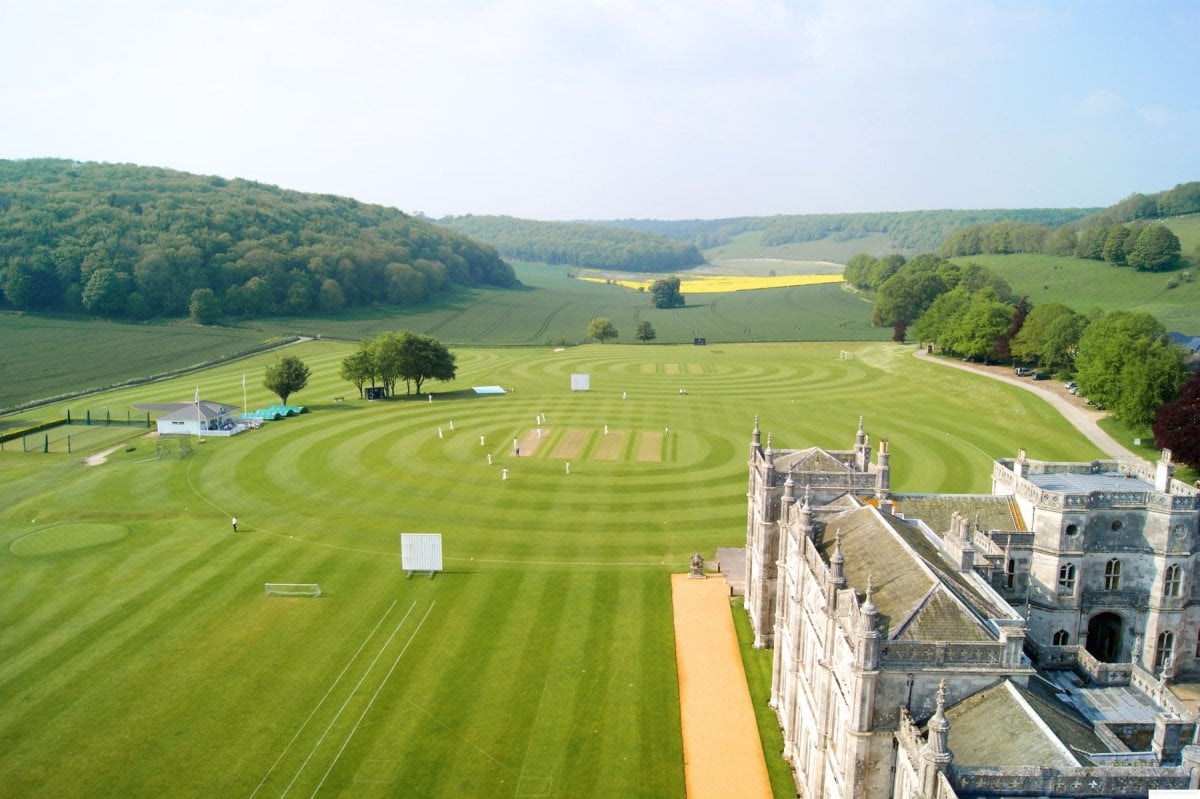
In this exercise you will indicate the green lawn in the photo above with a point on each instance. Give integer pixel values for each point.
(142, 658)
(1084, 285)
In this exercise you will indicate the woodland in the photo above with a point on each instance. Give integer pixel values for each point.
(133, 242)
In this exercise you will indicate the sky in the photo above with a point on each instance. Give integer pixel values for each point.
(605, 109)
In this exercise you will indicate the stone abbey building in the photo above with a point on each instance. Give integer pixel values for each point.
(1040, 640)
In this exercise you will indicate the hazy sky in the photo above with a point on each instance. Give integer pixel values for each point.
(556, 109)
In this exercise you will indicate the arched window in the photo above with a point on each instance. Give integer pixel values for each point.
(1172, 580)
(1066, 578)
(1010, 574)
(1112, 575)
(1163, 649)
(1061, 638)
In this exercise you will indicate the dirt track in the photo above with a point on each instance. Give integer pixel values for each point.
(722, 753)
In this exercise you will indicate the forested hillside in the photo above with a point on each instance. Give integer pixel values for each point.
(908, 231)
(119, 240)
(577, 244)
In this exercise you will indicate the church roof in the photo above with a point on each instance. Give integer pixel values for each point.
(914, 601)
(999, 727)
(813, 459)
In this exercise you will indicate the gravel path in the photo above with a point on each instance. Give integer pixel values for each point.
(1073, 408)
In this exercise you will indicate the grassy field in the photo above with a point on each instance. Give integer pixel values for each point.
(1083, 285)
(143, 659)
(51, 357)
(47, 356)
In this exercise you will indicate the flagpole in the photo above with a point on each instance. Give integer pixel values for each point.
(245, 408)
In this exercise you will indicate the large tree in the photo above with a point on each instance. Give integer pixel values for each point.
(601, 328)
(1127, 363)
(645, 332)
(664, 293)
(204, 308)
(1177, 424)
(285, 377)
(424, 358)
(1156, 249)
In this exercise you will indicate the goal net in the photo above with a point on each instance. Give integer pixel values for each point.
(846, 355)
(292, 589)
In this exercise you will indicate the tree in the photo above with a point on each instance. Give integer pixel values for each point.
(388, 358)
(424, 358)
(601, 328)
(204, 307)
(105, 292)
(1177, 424)
(981, 323)
(645, 332)
(286, 376)
(664, 293)
(900, 331)
(358, 367)
(1127, 363)
(331, 298)
(1156, 249)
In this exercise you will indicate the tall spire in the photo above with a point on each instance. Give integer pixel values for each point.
(756, 439)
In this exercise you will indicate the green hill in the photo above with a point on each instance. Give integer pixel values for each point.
(123, 241)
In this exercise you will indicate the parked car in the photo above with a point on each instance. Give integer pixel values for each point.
(1022, 371)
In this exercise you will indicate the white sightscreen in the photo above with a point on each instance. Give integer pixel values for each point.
(581, 382)
(421, 552)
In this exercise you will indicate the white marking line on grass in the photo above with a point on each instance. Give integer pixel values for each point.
(336, 680)
(354, 691)
(391, 554)
(374, 696)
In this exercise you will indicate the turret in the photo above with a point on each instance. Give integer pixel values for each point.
(883, 474)
(807, 528)
(1164, 473)
(936, 758)
(868, 635)
(837, 574)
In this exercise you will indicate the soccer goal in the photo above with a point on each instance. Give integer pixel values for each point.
(292, 589)
(846, 355)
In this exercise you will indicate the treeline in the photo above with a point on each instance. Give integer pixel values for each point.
(1145, 247)
(577, 244)
(1123, 235)
(911, 231)
(1123, 361)
(119, 240)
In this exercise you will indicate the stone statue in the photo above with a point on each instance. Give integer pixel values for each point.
(697, 567)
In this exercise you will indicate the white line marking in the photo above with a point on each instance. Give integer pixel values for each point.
(342, 709)
(317, 707)
(374, 696)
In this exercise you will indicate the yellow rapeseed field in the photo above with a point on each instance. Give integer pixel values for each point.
(712, 284)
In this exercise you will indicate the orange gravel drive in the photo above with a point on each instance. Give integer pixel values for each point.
(722, 753)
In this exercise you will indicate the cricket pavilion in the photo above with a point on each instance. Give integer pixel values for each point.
(199, 418)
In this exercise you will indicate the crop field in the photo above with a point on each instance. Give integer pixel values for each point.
(1084, 285)
(46, 357)
(720, 284)
(142, 657)
(554, 308)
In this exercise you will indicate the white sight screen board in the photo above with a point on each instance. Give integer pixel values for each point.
(421, 552)
(581, 382)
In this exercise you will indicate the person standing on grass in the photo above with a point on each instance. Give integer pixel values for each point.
(234, 522)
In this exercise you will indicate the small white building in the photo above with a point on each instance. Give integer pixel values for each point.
(201, 418)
